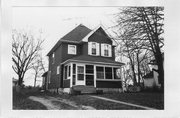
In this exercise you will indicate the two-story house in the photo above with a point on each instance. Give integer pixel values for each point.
(84, 57)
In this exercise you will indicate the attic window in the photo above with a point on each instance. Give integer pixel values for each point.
(72, 49)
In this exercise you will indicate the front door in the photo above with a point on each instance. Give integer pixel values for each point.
(80, 78)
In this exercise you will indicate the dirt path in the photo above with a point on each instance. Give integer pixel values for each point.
(53, 103)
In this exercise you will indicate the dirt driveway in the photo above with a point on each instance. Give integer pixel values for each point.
(54, 103)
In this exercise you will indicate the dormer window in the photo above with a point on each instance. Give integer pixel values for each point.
(93, 48)
(72, 49)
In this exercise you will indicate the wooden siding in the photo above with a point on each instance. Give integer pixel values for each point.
(108, 84)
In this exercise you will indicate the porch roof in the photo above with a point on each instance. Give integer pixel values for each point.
(93, 60)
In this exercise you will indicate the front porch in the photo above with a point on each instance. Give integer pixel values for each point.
(91, 75)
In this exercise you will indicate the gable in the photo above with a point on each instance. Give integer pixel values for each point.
(101, 31)
(100, 36)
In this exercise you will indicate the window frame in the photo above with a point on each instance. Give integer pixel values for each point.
(69, 49)
(58, 72)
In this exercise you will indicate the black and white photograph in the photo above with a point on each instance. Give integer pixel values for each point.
(89, 58)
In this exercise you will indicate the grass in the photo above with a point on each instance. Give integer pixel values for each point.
(98, 104)
(154, 100)
(21, 102)
(150, 99)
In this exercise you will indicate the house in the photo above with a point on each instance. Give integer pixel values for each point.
(84, 59)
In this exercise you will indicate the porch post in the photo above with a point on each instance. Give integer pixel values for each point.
(71, 76)
(94, 76)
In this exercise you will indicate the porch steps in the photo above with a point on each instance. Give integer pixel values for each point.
(84, 89)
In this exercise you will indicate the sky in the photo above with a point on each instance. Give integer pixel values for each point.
(55, 22)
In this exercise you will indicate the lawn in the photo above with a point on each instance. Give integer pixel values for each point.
(97, 103)
(21, 102)
(154, 100)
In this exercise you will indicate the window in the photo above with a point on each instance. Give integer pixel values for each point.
(89, 69)
(53, 58)
(99, 72)
(65, 72)
(58, 69)
(69, 71)
(80, 72)
(89, 75)
(108, 72)
(93, 48)
(115, 71)
(106, 50)
(72, 49)
(74, 74)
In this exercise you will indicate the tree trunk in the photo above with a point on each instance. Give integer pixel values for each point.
(159, 60)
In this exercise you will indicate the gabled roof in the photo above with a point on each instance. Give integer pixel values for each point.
(74, 36)
(94, 59)
(77, 34)
(80, 34)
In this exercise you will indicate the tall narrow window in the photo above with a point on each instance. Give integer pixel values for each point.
(116, 74)
(99, 72)
(106, 51)
(108, 72)
(65, 72)
(69, 71)
(93, 48)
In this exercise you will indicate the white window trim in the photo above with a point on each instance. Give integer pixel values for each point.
(90, 49)
(69, 51)
(103, 49)
(58, 70)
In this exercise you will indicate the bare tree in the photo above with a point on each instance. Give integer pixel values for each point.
(25, 50)
(145, 26)
(38, 68)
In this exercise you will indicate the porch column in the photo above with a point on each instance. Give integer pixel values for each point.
(71, 76)
(94, 76)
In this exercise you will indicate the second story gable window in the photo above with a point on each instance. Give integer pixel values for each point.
(72, 49)
(106, 50)
(93, 48)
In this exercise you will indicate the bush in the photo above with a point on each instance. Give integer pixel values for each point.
(133, 89)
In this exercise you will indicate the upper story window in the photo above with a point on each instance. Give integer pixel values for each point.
(72, 49)
(93, 48)
(106, 50)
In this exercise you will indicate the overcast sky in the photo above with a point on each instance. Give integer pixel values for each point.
(55, 22)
